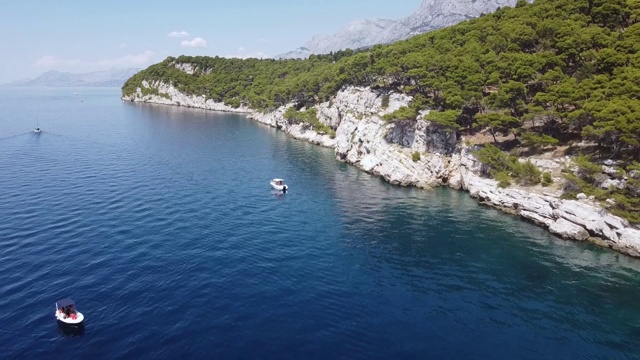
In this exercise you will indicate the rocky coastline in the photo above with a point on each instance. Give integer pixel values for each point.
(364, 139)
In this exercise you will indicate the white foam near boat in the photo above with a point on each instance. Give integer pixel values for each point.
(67, 314)
(279, 185)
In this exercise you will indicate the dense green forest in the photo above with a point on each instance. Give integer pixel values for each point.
(551, 73)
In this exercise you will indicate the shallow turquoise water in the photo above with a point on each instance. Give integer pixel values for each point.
(161, 224)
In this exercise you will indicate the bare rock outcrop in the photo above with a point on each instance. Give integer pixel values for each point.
(161, 93)
(570, 219)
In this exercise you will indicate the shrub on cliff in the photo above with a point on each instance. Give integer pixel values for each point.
(536, 141)
(503, 178)
(587, 170)
(626, 201)
(528, 174)
(497, 162)
(497, 122)
(493, 160)
(404, 113)
(547, 179)
(448, 118)
(149, 91)
(310, 117)
(408, 112)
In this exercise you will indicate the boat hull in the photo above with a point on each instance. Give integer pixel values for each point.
(78, 321)
(279, 187)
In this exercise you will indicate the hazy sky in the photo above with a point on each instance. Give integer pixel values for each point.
(87, 35)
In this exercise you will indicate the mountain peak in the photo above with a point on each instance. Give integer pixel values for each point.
(431, 15)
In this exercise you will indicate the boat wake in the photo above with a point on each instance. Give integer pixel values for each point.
(16, 136)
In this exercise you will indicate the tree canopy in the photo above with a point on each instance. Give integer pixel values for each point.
(555, 70)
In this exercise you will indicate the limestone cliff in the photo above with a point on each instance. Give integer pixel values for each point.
(364, 139)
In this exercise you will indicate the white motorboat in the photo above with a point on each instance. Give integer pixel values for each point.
(37, 130)
(67, 314)
(279, 185)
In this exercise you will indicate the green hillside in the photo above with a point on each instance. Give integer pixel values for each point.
(551, 73)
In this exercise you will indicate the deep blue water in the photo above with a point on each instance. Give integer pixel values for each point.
(161, 224)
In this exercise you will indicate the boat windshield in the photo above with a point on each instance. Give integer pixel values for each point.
(64, 303)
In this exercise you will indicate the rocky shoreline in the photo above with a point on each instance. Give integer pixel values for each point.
(368, 142)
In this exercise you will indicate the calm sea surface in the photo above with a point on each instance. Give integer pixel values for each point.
(161, 224)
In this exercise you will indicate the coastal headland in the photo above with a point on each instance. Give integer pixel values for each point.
(364, 139)
(533, 109)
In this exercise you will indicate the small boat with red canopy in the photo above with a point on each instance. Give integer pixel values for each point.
(67, 314)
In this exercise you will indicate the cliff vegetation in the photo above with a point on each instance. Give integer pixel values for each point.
(536, 77)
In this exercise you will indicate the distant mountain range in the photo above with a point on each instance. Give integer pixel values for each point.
(107, 78)
(431, 15)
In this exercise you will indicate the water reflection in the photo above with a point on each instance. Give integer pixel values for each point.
(482, 266)
(131, 206)
(70, 331)
(462, 264)
(400, 220)
(369, 205)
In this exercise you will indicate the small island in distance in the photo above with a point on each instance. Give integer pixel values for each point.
(106, 78)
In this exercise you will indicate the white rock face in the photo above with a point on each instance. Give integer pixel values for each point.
(362, 102)
(570, 219)
(298, 131)
(619, 184)
(364, 144)
(367, 141)
(547, 165)
(169, 95)
(629, 241)
(186, 67)
(422, 136)
(431, 15)
(568, 230)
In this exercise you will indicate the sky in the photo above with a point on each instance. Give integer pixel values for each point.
(81, 36)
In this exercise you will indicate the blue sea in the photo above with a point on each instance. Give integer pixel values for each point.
(160, 223)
